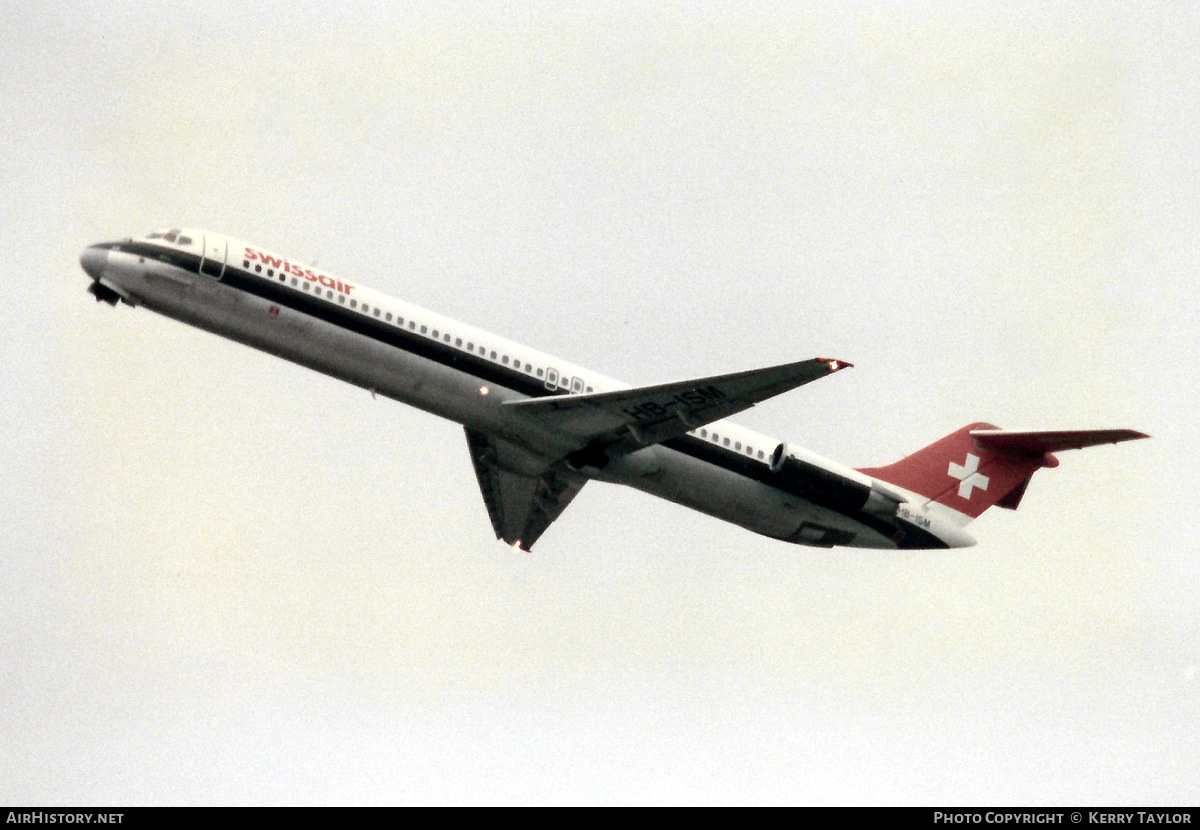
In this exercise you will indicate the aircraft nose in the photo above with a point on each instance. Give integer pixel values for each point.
(94, 259)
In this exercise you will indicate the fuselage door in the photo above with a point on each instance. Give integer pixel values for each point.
(212, 259)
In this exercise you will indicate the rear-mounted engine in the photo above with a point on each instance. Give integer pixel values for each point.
(829, 489)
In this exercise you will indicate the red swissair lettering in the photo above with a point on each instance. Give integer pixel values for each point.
(298, 271)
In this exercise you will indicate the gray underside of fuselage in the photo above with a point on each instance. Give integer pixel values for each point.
(453, 394)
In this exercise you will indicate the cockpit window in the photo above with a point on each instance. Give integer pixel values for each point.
(174, 236)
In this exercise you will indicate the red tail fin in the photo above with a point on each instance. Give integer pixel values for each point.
(980, 465)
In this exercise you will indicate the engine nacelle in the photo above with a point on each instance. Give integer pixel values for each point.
(831, 489)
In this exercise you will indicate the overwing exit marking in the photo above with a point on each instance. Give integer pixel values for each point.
(969, 476)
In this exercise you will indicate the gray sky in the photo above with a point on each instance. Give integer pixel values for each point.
(226, 579)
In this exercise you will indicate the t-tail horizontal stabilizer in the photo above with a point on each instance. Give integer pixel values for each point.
(980, 465)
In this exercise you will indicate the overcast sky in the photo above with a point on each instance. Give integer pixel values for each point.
(227, 579)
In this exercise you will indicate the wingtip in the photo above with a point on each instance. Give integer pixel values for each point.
(834, 364)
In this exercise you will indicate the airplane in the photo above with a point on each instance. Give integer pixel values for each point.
(538, 427)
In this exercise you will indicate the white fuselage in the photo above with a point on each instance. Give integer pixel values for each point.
(396, 349)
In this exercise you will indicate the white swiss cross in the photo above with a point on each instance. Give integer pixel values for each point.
(968, 475)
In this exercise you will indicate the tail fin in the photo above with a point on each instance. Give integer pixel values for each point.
(979, 465)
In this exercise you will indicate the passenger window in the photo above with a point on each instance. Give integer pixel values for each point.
(388, 316)
(258, 269)
(470, 347)
(353, 303)
(725, 442)
(424, 329)
(505, 360)
(446, 337)
(435, 333)
(493, 355)
(294, 281)
(245, 263)
(737, 446)
(342, 299)
(185, 240)
(366, 308)
(270, 272)
(458, 342)
(306, 286)
(576, 385)
(539, 373)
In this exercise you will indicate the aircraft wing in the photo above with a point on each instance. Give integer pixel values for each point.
(522, 500)
(615, 423)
